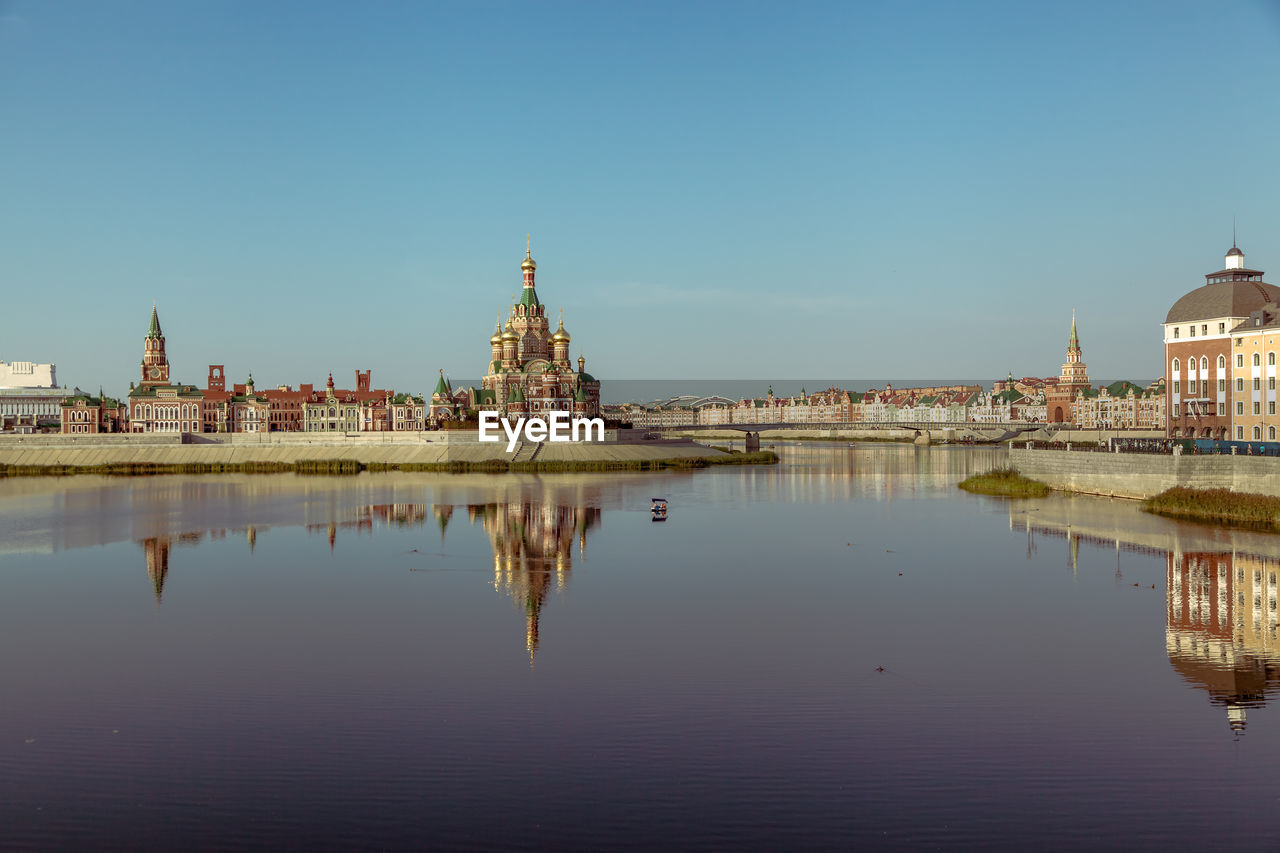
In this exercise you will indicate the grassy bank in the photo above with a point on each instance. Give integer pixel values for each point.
(1004, 482)
(1218, 506)
(329, 467)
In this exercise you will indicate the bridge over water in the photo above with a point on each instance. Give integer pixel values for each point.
(1008, 430)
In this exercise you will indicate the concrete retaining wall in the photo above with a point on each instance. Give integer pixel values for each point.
(1140, 475)
(394, 453)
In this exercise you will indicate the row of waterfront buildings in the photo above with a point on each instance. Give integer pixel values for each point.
(529, 371)
(1067, 398)
(1219, 381)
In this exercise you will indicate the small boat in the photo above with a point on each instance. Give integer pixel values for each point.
(659, 509)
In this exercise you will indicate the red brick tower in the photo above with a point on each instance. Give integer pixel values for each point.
(155, 364)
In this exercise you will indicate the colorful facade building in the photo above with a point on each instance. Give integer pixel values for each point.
(156, 404)
(529, 370)
(1210, 391)
(1121, 405)
(1060, 398)
(1253, 359)
(83, 414)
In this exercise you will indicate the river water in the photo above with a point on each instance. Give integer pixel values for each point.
(841, 650)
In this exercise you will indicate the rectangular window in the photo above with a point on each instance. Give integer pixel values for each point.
(1239, 360)
(1191, 331)
(1257, 384)
(1257, 408)
(1204, 329)
(1240, 433)
(1222, 328)
(1177, 386)
(1175, 332)
(1271, 383)
(1271, 407)
(1239, 384)
(1222, 386)
(1191, 386)
(1239, 408)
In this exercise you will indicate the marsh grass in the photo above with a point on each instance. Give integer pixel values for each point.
(1217, 506)
(1004, 482)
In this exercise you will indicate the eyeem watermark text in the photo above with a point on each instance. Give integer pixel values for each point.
(556, 426)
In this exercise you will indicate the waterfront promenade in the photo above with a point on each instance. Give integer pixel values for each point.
(429, 448)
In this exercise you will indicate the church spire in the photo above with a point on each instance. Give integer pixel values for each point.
(1074, 343)
(154, 331)
(529, 298)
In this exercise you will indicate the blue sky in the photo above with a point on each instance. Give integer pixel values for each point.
(715, 190)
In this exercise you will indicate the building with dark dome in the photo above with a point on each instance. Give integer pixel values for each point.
(1211, 387)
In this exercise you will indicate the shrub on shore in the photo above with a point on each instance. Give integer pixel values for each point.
(1217, 506)
(1004, 482)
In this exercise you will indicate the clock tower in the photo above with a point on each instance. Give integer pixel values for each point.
(155, 364)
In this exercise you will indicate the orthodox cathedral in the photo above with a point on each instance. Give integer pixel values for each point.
(529, 371)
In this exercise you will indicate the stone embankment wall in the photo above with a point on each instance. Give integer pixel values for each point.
(387, 448)
(1141, 475)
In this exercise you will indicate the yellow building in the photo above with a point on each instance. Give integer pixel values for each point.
(1253, 352)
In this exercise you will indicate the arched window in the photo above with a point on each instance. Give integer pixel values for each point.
(148, 411)
(1257, 433)
(1257, 359)
(1271, 433)
(137, 411)
(1271, 358)
(1175, 365)
(1204, 363)
(1222, 362)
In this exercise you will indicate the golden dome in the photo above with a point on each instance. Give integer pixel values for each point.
(496, 337)
(560, 335)
(510, 334)
(528, 262)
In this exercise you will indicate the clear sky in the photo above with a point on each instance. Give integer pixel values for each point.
(715, 190)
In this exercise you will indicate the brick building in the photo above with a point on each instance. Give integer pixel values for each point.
(1209, 373)
(156, 404)
(1060, 397)
(83, 414)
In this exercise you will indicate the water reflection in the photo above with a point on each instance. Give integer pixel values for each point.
(532, 545)
(1220, 591)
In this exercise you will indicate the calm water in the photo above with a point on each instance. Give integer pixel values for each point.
(519, 661)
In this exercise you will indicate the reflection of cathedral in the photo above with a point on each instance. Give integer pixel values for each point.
(532, 545)
(1221, 627)
(532, 539)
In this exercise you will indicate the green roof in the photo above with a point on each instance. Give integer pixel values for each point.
(442, 387)
(517, 396)
(529, 297)
(154, 331)
(581, 396)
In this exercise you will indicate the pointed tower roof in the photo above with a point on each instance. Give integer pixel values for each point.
(517, 395)
(442, 387)
(154, 331)
(1074, 343)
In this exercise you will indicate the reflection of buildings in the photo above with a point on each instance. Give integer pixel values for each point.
(1221, 601)
(157, 551)
(532, 545)
(1221, 627)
